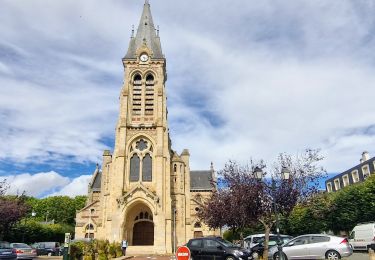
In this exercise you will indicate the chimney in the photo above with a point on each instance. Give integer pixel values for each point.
(365, 156)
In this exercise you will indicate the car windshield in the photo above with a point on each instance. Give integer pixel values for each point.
(258, 239)
(20, 245)
(4, 245)
(226, 243)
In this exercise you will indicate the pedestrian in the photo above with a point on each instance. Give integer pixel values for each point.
(124, 245)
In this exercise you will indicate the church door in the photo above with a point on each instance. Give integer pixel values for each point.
(143, 234)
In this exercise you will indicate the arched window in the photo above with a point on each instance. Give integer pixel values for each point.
(149, 95)
(197, 225)
(134, 168)
(147, 168)
(175, 168)
(137, 95)
(90, 227)
(141, 161)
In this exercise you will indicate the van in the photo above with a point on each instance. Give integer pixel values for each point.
(362, 236)
(252, 240)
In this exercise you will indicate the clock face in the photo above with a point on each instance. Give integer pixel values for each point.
(144, 57)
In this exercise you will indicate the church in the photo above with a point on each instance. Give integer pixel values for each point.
(144, 191)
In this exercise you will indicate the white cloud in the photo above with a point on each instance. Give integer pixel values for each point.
(47, 184)
(35, 184)
(245, 78)
(77, 186)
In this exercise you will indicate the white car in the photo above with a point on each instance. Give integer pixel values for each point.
(314, 246)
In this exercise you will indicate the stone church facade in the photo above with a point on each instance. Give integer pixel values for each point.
(144, 191)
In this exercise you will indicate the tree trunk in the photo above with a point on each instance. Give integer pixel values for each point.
(267, 231)
(241, 238)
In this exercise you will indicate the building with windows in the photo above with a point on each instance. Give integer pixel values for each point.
(356, 174)
(144, 191)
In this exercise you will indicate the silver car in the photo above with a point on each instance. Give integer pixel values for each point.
(315, 246)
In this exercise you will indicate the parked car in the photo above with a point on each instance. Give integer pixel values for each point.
(7, 252)
(47, 248)
(314, 246)
(253, 240)
(216, 248)
(362, 236)
(258, 249)
(24, 251)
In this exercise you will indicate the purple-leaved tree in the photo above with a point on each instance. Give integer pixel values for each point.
(242, 199)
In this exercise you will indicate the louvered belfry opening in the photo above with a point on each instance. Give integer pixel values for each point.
(137, 95)
(149, 96)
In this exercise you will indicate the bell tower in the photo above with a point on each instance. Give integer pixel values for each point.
(144, 191)
(139, 173)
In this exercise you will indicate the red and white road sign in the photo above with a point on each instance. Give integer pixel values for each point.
(183, 253)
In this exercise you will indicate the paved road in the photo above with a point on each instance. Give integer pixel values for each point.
(355, 256)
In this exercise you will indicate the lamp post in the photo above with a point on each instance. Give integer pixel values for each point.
(33, 214)
(285, 175)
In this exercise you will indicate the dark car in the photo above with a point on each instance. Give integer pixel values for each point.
(47, 248)
(216, 248)
(258, 249)
(7, 252)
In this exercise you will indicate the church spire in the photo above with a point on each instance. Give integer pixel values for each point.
(146, 34)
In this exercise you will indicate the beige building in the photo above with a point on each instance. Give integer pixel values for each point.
(144, 191)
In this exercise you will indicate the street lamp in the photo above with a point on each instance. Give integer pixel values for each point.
(285, 175)
(33, 214)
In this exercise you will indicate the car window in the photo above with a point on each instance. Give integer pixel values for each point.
(257, 239)
(272, 243)
(352, 235)
(225, 242)
(299, 241)
(210, 243)
(319, 239)
(285, 239)
(4, 245)
(20, 245)
(196, 243)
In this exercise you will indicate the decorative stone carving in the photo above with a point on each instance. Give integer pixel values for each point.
(131, 195)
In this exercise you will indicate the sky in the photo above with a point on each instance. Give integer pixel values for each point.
(246, 79)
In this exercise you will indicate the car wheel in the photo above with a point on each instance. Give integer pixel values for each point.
(49, 254)
(333, 255)
(276, 256)
(255, 255)
(230, 258)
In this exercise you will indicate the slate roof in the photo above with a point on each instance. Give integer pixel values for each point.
(358, 167)
(200, 180)
(96, 182)
(145, 34)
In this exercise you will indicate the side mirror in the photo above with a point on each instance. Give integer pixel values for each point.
(291, 244)
(220, 247)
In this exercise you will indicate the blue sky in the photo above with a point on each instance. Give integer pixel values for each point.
(246, 79)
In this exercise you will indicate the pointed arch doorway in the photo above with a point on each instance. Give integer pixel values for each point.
(143, 233)
(139, 225)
